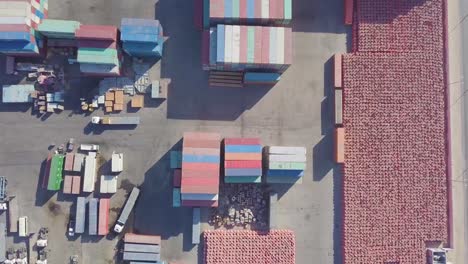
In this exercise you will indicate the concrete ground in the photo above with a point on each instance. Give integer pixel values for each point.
(298, 111)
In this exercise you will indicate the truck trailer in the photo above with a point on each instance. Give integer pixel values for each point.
(116, 120)
(80, 215)
(93, 216)
(119, 225)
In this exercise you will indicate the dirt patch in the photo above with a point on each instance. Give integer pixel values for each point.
(54, 208)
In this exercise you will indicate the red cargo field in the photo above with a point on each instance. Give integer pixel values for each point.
(177, 178)
(202, 151)
(337, 59)
(103, 217)
(196, 143)
(193, 203)
(242, 156)
(142, 239)
(242, 141)
(225, 247)
(228, 164)
(200, 166)
(67, 184)
(76, 187)
(96, 32)
(69, 161)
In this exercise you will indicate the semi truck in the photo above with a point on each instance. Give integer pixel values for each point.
(116, 120)
(119, 225)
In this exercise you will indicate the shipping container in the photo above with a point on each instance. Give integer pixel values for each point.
(56, 171)
(69, 158)
(242, 164)
(273, 211)
(200, 158)
(176, 197)
(117, 162)
(76, 186)
(200, 166)
(195, 143)
(266, 78)
(176, 159)
(177, 177)
(78, 162)
(142, 239)
(23, 226)
(196, 226)
(287, 150)
(287, 158)
(2, 242)
(339, 144)
(198, 188)
(127, 256)
(108, 184)
(89, 174)
(243, 149)
(13, 215)
(338, 107)
(273, 165)
(130, 247)
(285, 173)
(104, 205)
(191, 203)
(80, 215)
(199, 196)
(243, 179)
(202, 151)
(93, 216)
(338, 72)
(242, 156)
(243, 172)
(212, 174)
(100, 32)
(67, 184)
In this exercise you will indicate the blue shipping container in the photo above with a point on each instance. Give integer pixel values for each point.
(243, 149)
(200, 158)
(228, 8)
(220, 44)
(15, 36)
(127, 29)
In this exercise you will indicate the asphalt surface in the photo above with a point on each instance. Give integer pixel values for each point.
(297, 111)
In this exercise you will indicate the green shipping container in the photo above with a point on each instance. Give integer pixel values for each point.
(287, 165)
(98, 52)
(235, 9)
(55, 174)
(176, 159)
(176, 197)
(243, 179)
(84, 58)
(58, 26)
(250, 44)
(287, 11)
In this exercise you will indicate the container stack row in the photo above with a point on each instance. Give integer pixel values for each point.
(142, 37)
(19, 21)
(98, 216)
(176, 166)
(200, 169)
(247, 48)
(141, 248)
(259, 12)
(98, 52)
(285, 164)
(242, 160)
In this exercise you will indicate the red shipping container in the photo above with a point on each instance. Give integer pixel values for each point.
(280, 10)
(199, 189)
(103, 217)
(258, 9)
(100, 44)
(243, 45)
(177, 177)
(243, 10)
(69, 162)
(258, 44)
(338, 62)
(216, 8)
(266, 45)
(76, 187)
(242, 141)
(202, 136)
(243, 156)
(273, 5)
(339, 144)
(200, 181)
(200, 166)
(194, 203)
(205, 52)
(96, 32)
(67, 184)
(142, 239)
(202, 151)
(14, 28)
(288, 46)
(199, 173)
(348, 13)
(239, 164)
(198, 14)
(195, 143)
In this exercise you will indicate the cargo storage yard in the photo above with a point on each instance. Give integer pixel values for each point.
(230, 132)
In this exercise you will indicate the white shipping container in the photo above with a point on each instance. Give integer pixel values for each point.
(89, 174)
(265, 9)
(15, 20)
(199, 196)
(280, 45)
(14, 12)
(15, 5)
(287, 150)
(117, 162)
(23, 226)
(288, 158)
(108, 184)
(235, 44)
(228, 44)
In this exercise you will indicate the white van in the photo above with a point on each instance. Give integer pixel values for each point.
(23, 226)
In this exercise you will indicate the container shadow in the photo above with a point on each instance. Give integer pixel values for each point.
(42, 195)
(318, 16)
(190, 96)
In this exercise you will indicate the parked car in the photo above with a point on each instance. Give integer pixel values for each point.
(71, 228)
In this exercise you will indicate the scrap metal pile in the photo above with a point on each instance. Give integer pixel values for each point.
(395, 172)
(246, 247)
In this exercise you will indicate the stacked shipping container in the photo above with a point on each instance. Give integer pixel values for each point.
(285, 164)
(56, 173)
(242, 160)
(98, 52)
(258, 12)
(59, 29)
(142, 37)
(200, 169)
(142, 248)
(19, 21)
(244, 48)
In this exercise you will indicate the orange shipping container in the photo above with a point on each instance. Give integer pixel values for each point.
(339, 144)
(338, 72)
(69, 161)
(76, 185)
(243, 156)
(67, 184)
(198, 143)
(103, 217)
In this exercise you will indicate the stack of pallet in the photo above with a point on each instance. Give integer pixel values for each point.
(247, 48)
(200, 169)
(114, 101)
(98, 53)
(285, 164)
(277, 12)
(142, 37)
(141, 248)
(242, 160)
(19, 22)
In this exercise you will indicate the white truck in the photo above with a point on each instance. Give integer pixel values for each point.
(127, 210)
(116, 120)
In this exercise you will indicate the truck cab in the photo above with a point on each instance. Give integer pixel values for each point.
(118, 227)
